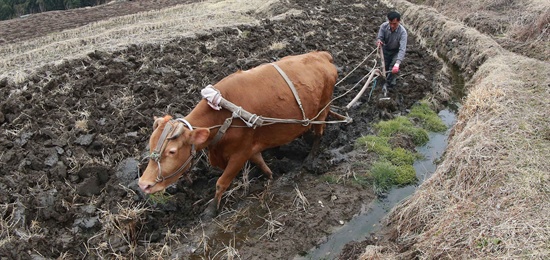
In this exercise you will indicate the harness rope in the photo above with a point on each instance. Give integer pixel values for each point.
(253, 120)
(361, 63)
(292, 88)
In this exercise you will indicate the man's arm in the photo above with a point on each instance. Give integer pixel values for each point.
(402, 46)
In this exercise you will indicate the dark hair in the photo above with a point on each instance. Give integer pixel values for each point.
(394, 15)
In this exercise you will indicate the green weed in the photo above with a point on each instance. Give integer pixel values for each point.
(400, 156)
(403, 125)
(395, 164)
(381, 146)
(391, 127)
(376, 144)
(428, 118)
(383, 174)
(159, 198)
(361, 180)
(406, 174)
(331, 179)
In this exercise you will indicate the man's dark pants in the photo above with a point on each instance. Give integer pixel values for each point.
(390, 56)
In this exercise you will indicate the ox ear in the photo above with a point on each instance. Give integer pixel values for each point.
(199, 136)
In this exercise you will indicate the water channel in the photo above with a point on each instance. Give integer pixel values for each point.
(372, 214)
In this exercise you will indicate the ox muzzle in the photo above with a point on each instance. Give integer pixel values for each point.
(172, 130)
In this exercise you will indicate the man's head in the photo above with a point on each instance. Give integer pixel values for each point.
(394, 18)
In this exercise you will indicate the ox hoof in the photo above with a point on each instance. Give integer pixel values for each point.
(210, 212)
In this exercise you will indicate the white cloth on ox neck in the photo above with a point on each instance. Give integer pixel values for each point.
(213, 96)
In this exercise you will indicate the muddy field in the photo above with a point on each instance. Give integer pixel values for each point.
(36, 25)
(72, 136)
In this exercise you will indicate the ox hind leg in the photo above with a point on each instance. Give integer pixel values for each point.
(318, 133)
(259, 161)
(319, 129)
(311, 162)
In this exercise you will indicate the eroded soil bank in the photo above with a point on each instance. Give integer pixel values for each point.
(71, 136)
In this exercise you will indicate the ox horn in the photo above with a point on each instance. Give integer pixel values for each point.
(178, 131)
(159, 120)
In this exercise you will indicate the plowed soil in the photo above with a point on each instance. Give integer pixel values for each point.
(71, 137)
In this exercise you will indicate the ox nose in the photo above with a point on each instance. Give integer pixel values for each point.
(146, 186)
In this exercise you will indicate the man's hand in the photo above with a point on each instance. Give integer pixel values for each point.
(395, 69)
(379, 43)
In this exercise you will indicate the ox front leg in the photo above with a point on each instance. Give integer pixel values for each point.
(233, 168)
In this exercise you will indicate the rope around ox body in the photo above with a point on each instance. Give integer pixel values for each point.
(217, 102)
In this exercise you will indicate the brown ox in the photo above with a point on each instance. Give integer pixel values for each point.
(262, 91)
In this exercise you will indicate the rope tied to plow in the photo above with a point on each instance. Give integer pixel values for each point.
(217, 102)
(250, 120)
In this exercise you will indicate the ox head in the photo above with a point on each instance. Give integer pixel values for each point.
(172, 148)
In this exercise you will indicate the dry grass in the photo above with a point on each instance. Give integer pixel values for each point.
(124, 102)
(242, 185)
(119, 237)
(203, 242)
(375, 252)
(120, 232)
(228, 221)
(490, 196)
(229, 252)
(488, 199)
(11, 226)
(82, 122)
(157, 26)
(273, 225)
(300, 200)
(278, 45)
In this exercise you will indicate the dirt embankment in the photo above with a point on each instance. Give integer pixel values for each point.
(522, 27)
(489, 197)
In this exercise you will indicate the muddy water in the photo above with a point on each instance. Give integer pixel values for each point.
(371, 215)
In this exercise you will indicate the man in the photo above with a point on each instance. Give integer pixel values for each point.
(392, 37)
